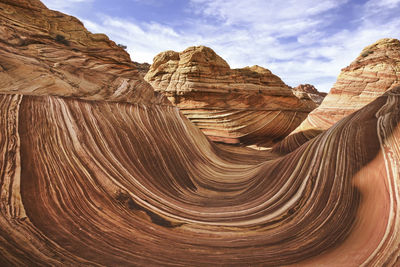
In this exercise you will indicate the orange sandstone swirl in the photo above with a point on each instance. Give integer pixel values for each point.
(96, 169)
(107, 183)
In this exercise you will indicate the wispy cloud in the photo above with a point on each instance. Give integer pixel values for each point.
(303, 41)
(145, 40)
(382, 3)
(267, 13)
(65, 5)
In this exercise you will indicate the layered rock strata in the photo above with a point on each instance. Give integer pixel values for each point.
(309, 91)
(247, 106)
(63, 58)
(375, 71)
(107, 182)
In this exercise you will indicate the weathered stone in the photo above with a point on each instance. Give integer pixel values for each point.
(64, 59)
(304, 91)
(92, 175)
(247, 106)
(375, 71)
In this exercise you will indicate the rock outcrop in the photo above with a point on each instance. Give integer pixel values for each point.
(247, 106)
(115, 178)
(304, 91)
(63, 58)
(142, 68)
(375, 71)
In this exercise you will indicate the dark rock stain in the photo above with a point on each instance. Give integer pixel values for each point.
(127, 201)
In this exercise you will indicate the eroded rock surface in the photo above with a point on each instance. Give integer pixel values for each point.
(122, 179)
(304, 91)
(375, 71)
(248, 106)
(45, 52)
(142, 68)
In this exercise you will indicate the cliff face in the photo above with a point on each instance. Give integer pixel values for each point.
(118, 178)
(249, 105)
(375, 71)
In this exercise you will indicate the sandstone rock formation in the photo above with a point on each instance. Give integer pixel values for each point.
(63, 58)
(375, 71)
(309, 91)
(118, 179)
(248, 106)
(142, 68)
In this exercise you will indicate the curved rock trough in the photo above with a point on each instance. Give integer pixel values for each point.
(98, 170)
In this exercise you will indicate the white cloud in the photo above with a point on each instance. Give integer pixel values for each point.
(382, 3)
(64, 5)
(254, 11)
(144, 40)
(314, 56)
(288, 37)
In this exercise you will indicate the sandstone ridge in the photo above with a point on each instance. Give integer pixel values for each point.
(375, 71)
(249, 105)
(63, 58)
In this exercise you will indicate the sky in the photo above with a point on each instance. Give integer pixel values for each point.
(302, 41)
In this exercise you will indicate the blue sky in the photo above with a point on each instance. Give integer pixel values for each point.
(303, 41)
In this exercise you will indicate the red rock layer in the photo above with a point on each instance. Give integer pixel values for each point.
(375, 71)
(120, 184)
(248, 106)
(133, 182)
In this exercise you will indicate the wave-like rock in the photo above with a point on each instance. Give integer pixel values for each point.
(248, 106)
(375, 71)
(120, 184)
(86, 181)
